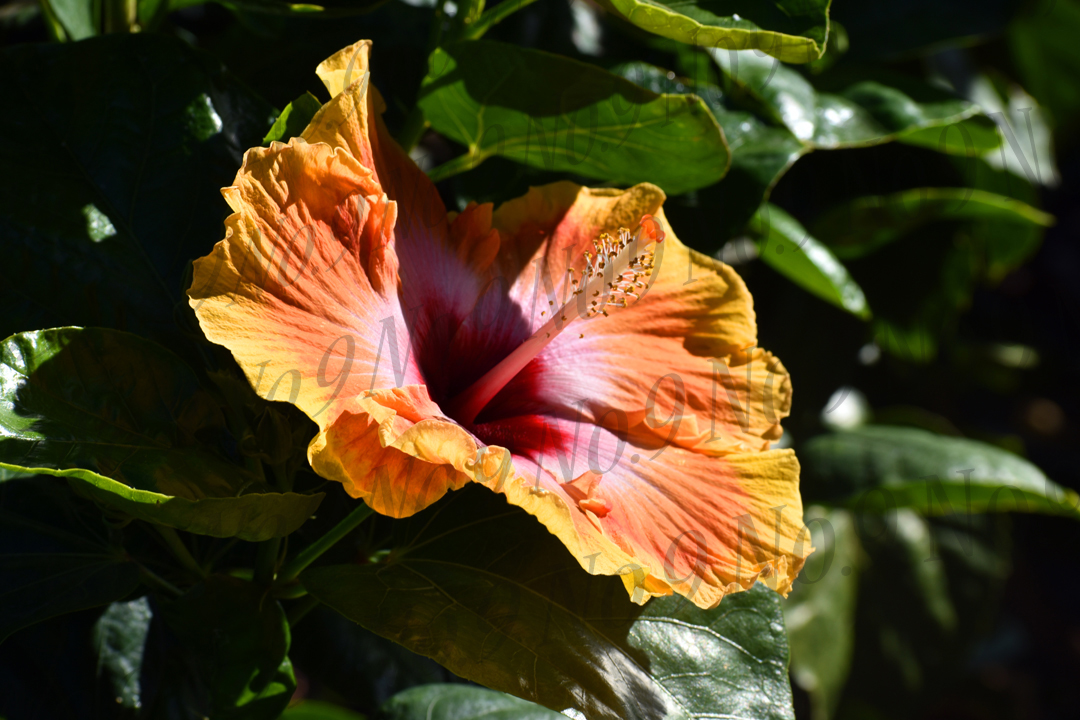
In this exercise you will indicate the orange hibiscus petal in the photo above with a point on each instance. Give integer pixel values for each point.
(639, 438)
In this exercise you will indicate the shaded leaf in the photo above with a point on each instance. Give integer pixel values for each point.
(484, 589)
(790, 250)
(868, 223)
(789, 30)
(317, 710)
(461, 702)
(126, 421)
(222, 653)
(820, 612)
(1043, 44)
(119, 638)
(559, 114)
(125, 141)
(54, 558)
(881, 468)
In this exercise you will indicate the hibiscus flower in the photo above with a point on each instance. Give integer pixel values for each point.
(564, 349)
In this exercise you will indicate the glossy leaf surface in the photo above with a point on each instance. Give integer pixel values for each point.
(790, 30)
(462, 702)
(126, 421)
(881, 468)
(485, 590)
(789, 249)
(559, 114)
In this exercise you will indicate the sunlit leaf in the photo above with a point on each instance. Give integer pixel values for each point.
(485, 590)
(789, 249)
(125, 420)
(793, 31)
(559, 114)
(293, 119)
(461, 702)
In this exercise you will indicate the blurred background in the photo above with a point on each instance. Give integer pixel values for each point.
(969, 323)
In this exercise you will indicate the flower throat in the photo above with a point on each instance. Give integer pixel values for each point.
(616, 274)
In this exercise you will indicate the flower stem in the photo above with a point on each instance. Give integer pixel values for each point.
(266, 560)
(179, 550)
(313, 551)
(453, 167)
(493, 16)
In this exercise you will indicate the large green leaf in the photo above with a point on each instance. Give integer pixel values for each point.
(559, 114)
(793, 31)
(484, 589)
(862, 112)
(125, 420)
(820, 612)
(789, 249)
(224, 654)
(462, 702)
(113, 186)
(55, 558)
(881, 468)
(119, 640)
(870, 222)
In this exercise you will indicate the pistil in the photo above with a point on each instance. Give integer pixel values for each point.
(614, 276)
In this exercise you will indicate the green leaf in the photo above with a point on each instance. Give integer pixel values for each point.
(293, 119)
(126, 421)
(461, 702)
(487, 591)
(880, 468)
(559, 114)
(76, 17)
(1043, 44)
(972, 137)
(928, 593)
(868, 223)
(114, 184)
(225, 656)
(793, 31)
(820, 612)
(119, 639)
(54, 557)
(787, 248)
(864, 112)
(316, 710)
